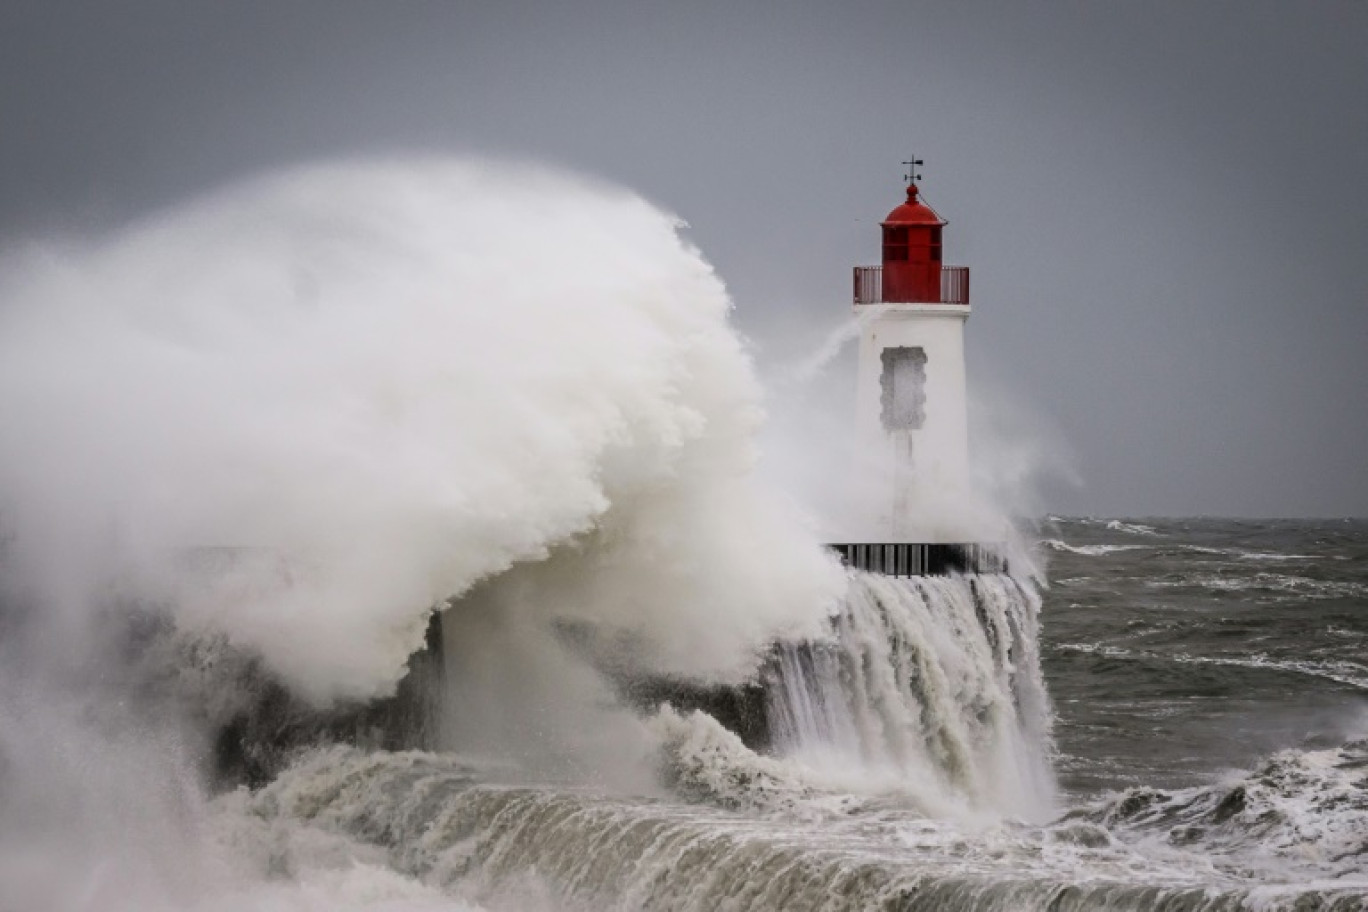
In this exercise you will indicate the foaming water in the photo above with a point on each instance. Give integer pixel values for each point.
(1342, 671)
(1055, 544)
(800, 846)
(1299, 815)
(932, 684)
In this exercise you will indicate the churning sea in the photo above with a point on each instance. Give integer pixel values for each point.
(1179, 650)
(253, 442)
(1178, 722)
(1209, 685)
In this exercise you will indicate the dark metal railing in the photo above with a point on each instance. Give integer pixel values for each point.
(954, 286)
(868, 284)
(922, 559)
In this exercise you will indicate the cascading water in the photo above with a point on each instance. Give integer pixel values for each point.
(930, 681)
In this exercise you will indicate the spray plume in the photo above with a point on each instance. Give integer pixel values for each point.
(302, 411)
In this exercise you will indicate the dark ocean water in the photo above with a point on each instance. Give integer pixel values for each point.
(1177, 649)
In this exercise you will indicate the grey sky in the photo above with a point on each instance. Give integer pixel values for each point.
(1165, 205)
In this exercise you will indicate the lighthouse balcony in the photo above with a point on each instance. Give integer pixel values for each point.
(953, 287)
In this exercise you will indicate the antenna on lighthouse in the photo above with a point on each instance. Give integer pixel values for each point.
(912, 176)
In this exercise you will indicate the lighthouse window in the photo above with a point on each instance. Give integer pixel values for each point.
(902, 396)
(894, 243)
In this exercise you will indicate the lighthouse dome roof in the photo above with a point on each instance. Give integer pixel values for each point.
(913, 212)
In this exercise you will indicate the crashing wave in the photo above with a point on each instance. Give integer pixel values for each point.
(301, 412)
(1299, 815)
(452, 827)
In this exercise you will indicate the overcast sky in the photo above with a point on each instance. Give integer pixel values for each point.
(1164, 204)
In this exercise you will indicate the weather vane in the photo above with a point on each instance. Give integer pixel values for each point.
(912, 176)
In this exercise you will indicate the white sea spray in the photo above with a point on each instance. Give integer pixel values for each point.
(305, 410)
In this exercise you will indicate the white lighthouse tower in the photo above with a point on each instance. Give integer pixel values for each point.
(912, 410)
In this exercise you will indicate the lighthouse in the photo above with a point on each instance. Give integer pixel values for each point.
(912, 406)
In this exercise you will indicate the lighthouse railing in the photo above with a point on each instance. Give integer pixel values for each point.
(954, 286)
(868, 284)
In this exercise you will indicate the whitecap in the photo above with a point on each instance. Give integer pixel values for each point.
(1089, 550)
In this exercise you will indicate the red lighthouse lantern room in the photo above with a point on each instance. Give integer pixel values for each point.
(911, 272)
(912, 252)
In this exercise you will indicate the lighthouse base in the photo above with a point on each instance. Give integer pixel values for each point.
(922, 558)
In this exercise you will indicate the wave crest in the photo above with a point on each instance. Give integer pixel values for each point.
(305, 410)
